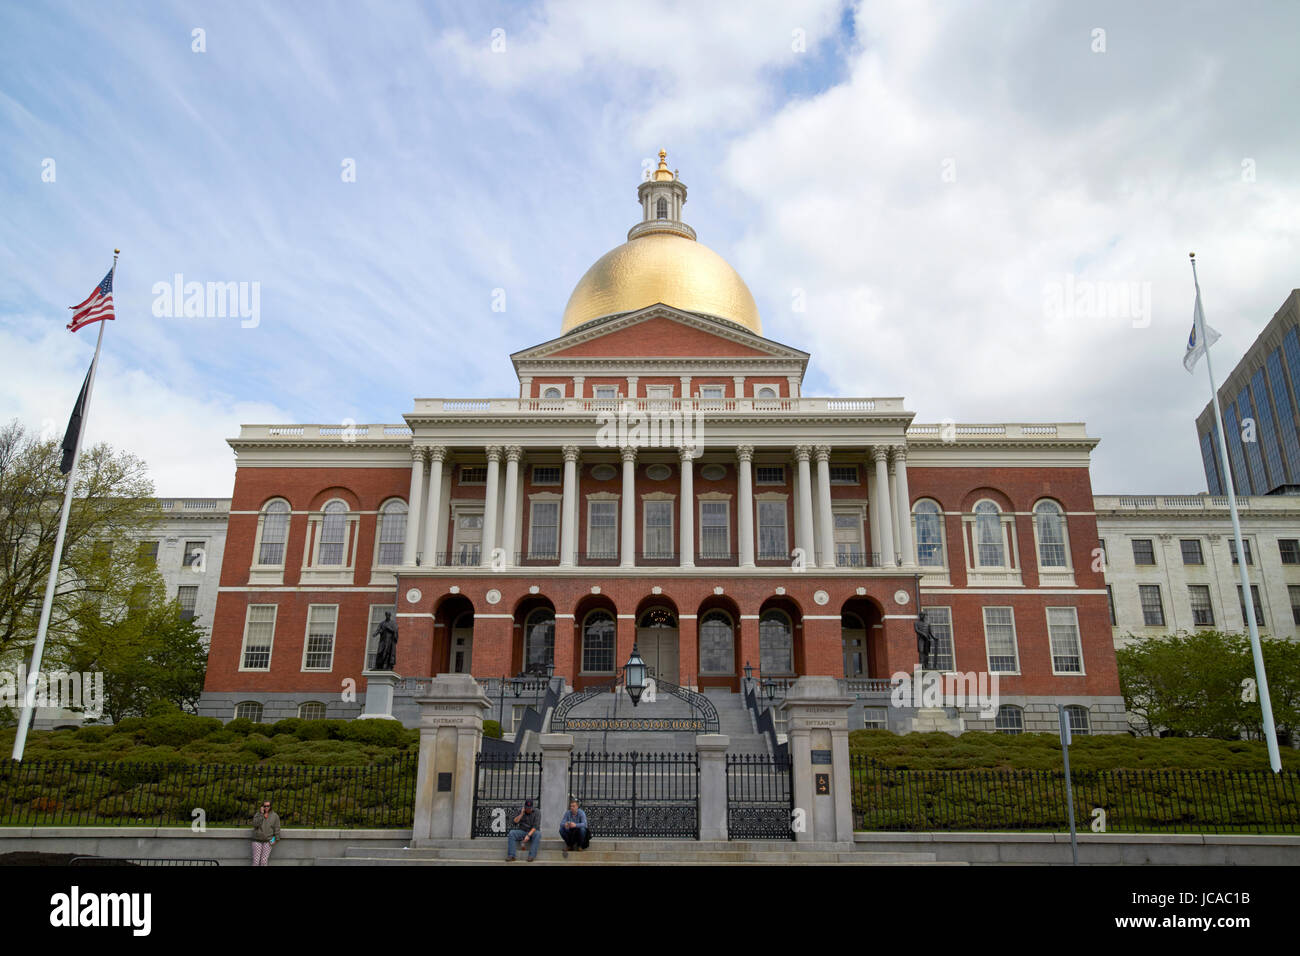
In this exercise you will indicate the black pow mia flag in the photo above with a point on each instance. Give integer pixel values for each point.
(73, 434)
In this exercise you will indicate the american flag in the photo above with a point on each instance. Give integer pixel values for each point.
(97, 307)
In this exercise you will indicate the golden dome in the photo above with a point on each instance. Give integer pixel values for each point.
(663, 173)
(661, 267)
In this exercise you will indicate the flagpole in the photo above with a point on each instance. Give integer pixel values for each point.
(1247, 599)
(38, 648)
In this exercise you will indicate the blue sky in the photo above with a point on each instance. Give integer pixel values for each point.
(922, 174)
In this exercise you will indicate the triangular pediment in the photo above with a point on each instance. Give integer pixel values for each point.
(660, 332)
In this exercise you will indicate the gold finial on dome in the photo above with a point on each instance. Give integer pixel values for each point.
(663, 173)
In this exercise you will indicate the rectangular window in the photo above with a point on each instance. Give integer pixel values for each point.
(848, 539)
(1202, 609)
(844, 474)
(193, 555)
(715, 539)
(1143, 552)
(602, 529)
(475, 475)
(607, 391)
(658, 533)
(517, 714)
(769, 474)
(188, 595)
(1110, 599)
(712, 391)
(149, 551)
(1191, 548)
(1293, 592)
(548, 474)
(1063, 634)
(1000, 640)
(1289, 548)
(941, 653)
(1105, 556)
(771, 531)
(1232, 550)
(1153, 610)
(544, 529)
(875, 718)
(318, 655)
(377, 612)
(1254, 599)
(259, 635)
(468, 539)
(598, 650)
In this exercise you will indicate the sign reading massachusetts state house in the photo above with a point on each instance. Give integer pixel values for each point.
(682, 724)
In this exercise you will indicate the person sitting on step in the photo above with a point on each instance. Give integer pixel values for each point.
(525, 832)
(573, 828)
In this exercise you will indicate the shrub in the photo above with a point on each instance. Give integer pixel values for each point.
(176, 729)
(258, 745)
(378, 733)
(492, 728)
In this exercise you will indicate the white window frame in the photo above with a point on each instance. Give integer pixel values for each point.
(790, 627)
(1209, 599)
(559, 478)
(1164, 618)
(713, 392)
(552, 388)
(659, 393)
(942, 566)
(976, 515)
(771, 484)
(1011, 708)
(783, 501)
(261, 710)
(544, 498)
(318, 703)
(1015, 640)
(731, 664)
(604, 392)
(859, 515)
(1055, 575)
(855, 480)
(261, 528)
(603, 499)
(1078, 641)
(379, 531)
(713, 499)
(306, 639)
(951, 635)
(582, 647)
(668, 501)
(1070, 711)
(463, 509)
(760, 389)
(243, 646)
(194, 607)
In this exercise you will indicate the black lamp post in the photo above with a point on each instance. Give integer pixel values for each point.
(634, 674)
(749, 671)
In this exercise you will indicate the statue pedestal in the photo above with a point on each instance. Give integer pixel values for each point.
(380, 686)
(930, 720)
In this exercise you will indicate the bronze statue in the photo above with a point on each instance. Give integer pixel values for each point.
(924, 640)
(386, 652)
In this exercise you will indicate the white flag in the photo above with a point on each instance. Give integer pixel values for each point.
(1202, 337)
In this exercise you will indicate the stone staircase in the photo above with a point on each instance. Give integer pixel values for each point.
(734, 720)
(491, 851)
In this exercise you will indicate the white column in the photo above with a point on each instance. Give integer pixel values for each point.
(825, 523)
(745, 504)
(740, 385)
(491, 505)
(903, 506)
(627, 523)
(802, 453)
(433, 508)
(510, 513)
(884, 513)
(794, 385)
(568, 539)
(578, 387)
(414, 507)
(893, 510)
(687, 519)
(871, 513)
(686, 386)
(526, 386)
(631, 386)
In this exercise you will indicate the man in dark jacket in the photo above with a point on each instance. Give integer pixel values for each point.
(525, 830)
(266, 831)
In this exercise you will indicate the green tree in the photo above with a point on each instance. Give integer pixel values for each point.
(113, 504)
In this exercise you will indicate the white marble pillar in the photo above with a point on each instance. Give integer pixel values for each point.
(903, 506)
(433, 507)
(870, 479)
(825, 522)
(510, 511)
(687, 515)
(627, 522)
(893, 510)
(568, 524)
(884, 512)
(745, 504)
(414, 507)
(804, 538)
(491, 506)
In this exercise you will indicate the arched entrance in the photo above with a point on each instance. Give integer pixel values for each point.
(462, 643)
(453, 635)
(657, 640)
(853, 635)
(861, 638)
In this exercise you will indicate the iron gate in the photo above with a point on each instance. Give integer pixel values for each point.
(502, 782)
(638, 794)
(760, 797)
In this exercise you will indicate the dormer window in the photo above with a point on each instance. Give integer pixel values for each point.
(661, 209)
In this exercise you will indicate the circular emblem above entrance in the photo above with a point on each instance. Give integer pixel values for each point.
(493, 596)
(413, 596)
(821, 597)
(901, 597)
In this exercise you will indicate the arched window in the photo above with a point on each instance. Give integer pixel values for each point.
(333, 532)
(1049, 528)
(775, 644)
(661, 209)
(249, 710)
(598, 643)
(551, 392)
(539, 640)
(275, 531)
(311, 710)
(767, 391)
(717, 644)
(1077, 717)
(990, 549)
(1009, 720)
(928, 520)
(658, 617)
(392, 532)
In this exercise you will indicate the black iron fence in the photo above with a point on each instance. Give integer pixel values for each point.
(87, 793)
(1111, 801)
(638, 795)
(760, 797)
(502, 782)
